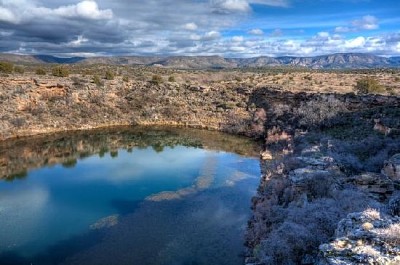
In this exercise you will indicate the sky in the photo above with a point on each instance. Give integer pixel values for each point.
(228, 28)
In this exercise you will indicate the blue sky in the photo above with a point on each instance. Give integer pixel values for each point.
(229, 28)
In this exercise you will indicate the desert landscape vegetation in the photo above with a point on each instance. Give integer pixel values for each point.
(329, 191)
(207, 132)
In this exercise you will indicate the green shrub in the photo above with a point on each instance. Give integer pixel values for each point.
(171, 79)
(60, 71)
(40, 71)
(19, 69)
(369, 85)
(156, 79)
(109, 75)
(125, 78)
(6, 67)
(96, 80)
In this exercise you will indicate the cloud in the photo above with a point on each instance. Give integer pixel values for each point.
(277, 3)
(86, 9)
(231, 6)
(256, 32)
(228, 6)
(7, 16)
(366, 22)
(211, 35)
(342, 29)
(358, 42)
(231, 28)
(237, 38)
(190, 26)
(276, 33)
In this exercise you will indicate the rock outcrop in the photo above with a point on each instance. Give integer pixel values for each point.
(367, 237)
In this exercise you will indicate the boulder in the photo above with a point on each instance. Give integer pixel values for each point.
(367, 237)
(378, 186)
(391, 168)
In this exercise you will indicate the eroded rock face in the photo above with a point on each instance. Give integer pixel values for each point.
(392, 168)
(367, 237)
(378, 186)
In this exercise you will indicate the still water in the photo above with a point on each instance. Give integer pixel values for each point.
(126, 196)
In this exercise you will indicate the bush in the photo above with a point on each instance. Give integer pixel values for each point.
(6, 67)
(320, 112)
(60, 71)
(96, 80)
(394, 205)
(19, 69)
(156, 80)
(369, 85)
(171, 79)
(40, 71)
(109, 75)
(125, 78)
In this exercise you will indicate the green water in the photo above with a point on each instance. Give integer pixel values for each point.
(131, 196)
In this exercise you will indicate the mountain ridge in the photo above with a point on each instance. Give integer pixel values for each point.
(330, 61)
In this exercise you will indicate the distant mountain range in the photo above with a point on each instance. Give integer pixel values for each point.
(332, 61)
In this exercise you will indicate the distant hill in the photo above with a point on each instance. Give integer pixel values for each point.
(332, 61)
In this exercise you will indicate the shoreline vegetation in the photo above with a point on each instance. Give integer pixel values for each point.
(331, 140)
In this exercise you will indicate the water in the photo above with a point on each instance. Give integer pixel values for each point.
(126, 196)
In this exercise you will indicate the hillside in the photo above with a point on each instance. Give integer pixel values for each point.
(332, 61)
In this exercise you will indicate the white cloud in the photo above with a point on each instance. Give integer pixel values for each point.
(256, 32)
(211, 35)
(86, 9)
(342, 29)
(358, 42)
(190, 26)
(366, 22)
(78, 42)
(279, 3)
(237, 38)
(7, 16)
(230, 6)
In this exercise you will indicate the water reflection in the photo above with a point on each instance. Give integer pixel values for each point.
(126, 196)
(18, 156)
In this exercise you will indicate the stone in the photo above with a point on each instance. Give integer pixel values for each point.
(391, 168)
(355, 245)
(266, 155)
(378, 186)
(300, 175)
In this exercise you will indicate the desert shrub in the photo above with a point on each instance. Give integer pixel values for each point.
(125, 78)
(156, 79)
(60, 71)
(109, 75)
(6, 67)
(97, 81)
(40, 71)
(391, 234)
(394, 205)
(320, 112)
(368, 85)
(366, 154)
(19, 69)
(257, 126)
(171, 79)
(18, 122)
